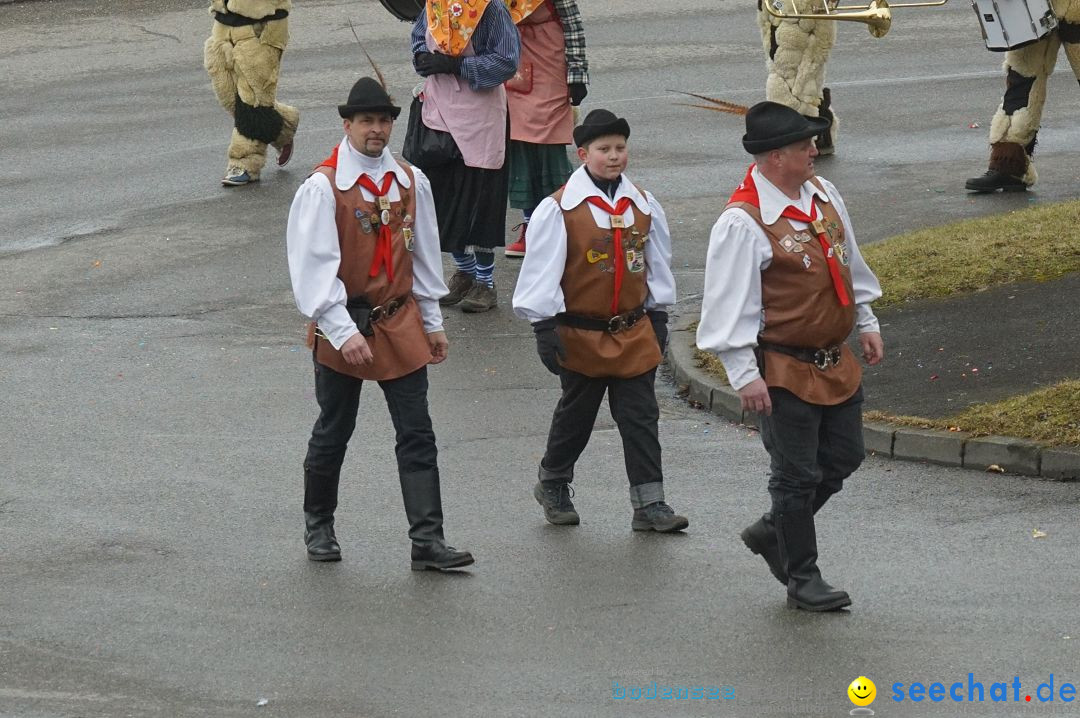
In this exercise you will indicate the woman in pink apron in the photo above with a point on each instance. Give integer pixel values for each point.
(466, 50)
(551, 78)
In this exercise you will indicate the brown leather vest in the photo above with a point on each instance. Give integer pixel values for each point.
(399, 345)
(802, 309)
(588, 285)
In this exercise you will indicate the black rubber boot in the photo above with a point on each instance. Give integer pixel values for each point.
(760, 537)
(423, 507)
(320, 502)
(798, 548)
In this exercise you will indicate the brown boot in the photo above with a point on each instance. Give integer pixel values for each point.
(460, 285)
(1008, 166)
(480, 298)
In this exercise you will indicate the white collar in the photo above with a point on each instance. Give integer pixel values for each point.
(580, 186)
(771, 201)
(350, 167)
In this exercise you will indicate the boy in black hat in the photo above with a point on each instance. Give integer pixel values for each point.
(364, 259)
(595, 284)
(785, 285)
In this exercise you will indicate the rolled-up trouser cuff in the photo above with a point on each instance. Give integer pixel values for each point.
(644, 494)
(562, 477)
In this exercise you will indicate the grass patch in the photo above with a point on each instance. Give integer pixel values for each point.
(1034, 244)
(710, 363)
(707, 360)
(1049, 416)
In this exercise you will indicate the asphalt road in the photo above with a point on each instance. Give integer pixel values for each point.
(156, 404)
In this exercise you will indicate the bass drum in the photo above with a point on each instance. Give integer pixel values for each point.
(407, 10)
(1012, 24)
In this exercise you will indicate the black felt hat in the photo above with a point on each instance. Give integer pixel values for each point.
(367, 95)
(770, 125)
(599, 123)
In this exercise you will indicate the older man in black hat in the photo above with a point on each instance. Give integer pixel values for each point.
(595, 284)
(363, 246)
(785, 285)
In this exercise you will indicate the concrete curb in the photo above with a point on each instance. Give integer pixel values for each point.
(1014, 456)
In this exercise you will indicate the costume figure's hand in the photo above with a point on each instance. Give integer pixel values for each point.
(873, 348)
(440, 347)
(548, 345)
(427, 63)
(659, 326)
(578, 90)
(755, 397)
(356, 350)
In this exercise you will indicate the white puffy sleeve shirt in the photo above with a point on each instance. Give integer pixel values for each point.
(315, 256)
(539, 295)
(739, 251)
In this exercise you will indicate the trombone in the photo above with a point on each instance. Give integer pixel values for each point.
(877, 15)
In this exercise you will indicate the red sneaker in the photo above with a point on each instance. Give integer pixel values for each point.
(517, 249)
(285, 154)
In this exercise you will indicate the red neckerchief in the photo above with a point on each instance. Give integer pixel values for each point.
(383, 256)
(620, 258)
(747, 192)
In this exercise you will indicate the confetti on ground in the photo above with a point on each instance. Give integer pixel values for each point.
(995, 468)
(1036, 533)
(262, 702)
(973, 126)
(96, 263)
(933, 377)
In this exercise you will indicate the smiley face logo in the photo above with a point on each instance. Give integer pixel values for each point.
(862, 691)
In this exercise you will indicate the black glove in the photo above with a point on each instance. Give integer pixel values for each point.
(427, 63)
(548, 345)
(578, 90)
(659, 327)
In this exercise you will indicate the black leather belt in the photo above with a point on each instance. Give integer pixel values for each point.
(233, 20)
(616, 324)
(821, 358)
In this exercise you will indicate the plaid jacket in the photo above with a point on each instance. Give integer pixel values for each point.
(577, 67)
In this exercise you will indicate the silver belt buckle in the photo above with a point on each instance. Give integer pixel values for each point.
(383, 311)
(825, 358)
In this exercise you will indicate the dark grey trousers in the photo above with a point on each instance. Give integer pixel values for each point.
(339, 399)
(812, 448)
(634, 409)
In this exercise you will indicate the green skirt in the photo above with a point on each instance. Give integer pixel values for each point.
(535, 172)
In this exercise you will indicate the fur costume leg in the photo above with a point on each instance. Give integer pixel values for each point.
(290, 119)
(1070, 40)
(244, 63)
(796, 52)
(1016, 122)
(218, 61)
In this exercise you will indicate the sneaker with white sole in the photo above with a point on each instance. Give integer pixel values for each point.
(236, 177)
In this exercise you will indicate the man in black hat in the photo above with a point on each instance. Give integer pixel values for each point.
(363, 247)
(595, 284)
(785, 285)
